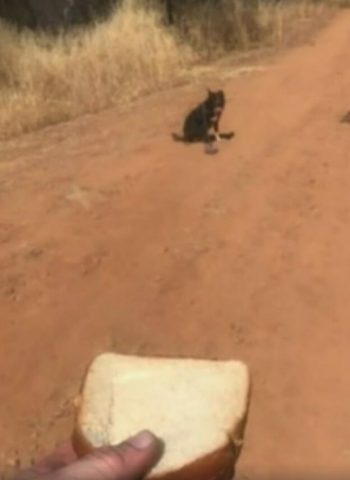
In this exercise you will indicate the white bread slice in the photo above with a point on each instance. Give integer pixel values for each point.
(197, 407)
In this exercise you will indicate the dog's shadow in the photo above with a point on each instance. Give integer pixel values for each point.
(210, 144)
(345, 118)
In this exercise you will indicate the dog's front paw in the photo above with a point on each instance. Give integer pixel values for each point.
(210, 149)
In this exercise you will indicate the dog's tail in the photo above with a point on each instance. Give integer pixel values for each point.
(178, 138)
(227, 135)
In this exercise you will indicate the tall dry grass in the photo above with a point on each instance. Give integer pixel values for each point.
(46, 79)
(215, 28)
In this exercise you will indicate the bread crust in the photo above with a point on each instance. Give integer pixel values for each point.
(218, 465)
(80, 444)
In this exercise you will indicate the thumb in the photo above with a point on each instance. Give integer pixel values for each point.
(131, 460)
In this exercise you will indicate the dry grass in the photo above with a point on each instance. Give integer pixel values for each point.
(245, 24)
(45, 80)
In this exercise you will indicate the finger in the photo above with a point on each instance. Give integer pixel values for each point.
(60, 457)
(63, 455)
(129, 461)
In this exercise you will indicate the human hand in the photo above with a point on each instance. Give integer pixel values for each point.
(131, 460)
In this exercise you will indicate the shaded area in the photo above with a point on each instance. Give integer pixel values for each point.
(53, 14)
(62, 14)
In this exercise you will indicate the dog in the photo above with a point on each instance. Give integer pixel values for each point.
(202, 123)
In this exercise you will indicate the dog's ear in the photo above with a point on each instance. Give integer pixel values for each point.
(210, 92)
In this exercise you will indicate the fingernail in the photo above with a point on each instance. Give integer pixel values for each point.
(142, 440)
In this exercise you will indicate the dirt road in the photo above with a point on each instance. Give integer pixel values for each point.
(112, 236)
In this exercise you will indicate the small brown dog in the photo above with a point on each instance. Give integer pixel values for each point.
(203, 120)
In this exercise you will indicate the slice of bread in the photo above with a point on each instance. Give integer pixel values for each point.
(197, 407)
